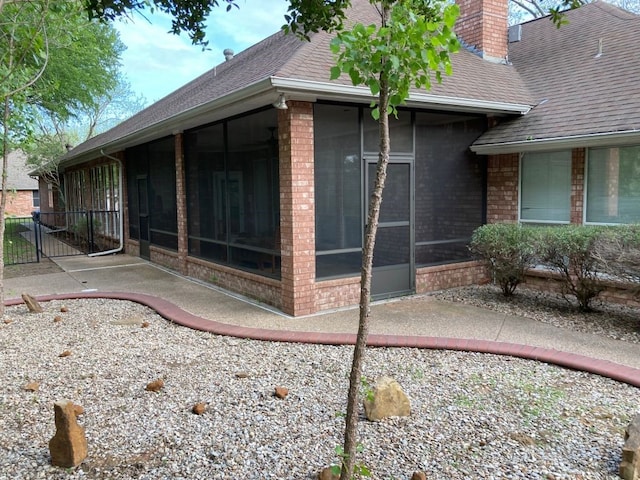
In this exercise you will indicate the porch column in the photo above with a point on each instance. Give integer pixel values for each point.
(181, 204)
(577, 185)
(297, 213)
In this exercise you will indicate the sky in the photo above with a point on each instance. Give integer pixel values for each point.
(157, 62)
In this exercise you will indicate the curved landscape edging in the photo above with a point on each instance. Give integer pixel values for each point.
(175, 314)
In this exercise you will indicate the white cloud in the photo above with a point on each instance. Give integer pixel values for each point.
(157, 62)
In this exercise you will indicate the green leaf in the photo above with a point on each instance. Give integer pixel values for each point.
(335, 72)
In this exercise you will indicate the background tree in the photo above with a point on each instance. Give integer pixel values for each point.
(524, 10)
(52, 137)
(52, 59)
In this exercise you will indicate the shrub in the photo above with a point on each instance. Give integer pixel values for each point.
(617, 252)
(569, 251)
(508, 250)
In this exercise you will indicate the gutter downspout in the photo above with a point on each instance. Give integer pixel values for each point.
(120, 211)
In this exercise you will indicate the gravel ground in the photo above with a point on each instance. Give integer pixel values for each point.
(474, 416)
(611, 320)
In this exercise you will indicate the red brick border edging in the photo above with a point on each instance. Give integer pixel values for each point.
(173, 313)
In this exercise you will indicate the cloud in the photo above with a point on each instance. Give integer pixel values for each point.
(157, 62)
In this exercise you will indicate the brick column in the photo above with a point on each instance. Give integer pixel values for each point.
(297, 212)
(181, 205)
(502, 188)
(577, 185)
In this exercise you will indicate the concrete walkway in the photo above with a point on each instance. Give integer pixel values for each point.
(418, 321)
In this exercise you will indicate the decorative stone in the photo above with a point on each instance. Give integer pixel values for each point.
(419, 476)
(68, 447)
(78, 409)
(155, 386)
(32, 387)
(7, 321)
(66, 353)
(145, 324)
(32, 303)
(242, 375)
(199, 408)
(388, 400)
(327, 474)
(57, 319)
(281, 392)
(630, 464)
(64, 309)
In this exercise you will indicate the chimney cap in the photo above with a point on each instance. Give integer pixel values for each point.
(228, 54)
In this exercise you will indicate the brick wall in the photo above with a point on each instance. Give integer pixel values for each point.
(297, 210)
(20, 203)
(342, 292)
(483, 24)
(256, 287)
(181, 205)
(502, 188)
(441, 277)
(577, 185)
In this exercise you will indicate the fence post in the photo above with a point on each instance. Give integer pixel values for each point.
(36, 234)
(90, 227)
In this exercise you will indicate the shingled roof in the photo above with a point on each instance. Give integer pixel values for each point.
(584, 76)
(283, 63)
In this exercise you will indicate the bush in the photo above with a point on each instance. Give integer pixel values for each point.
(617, 252)
(508, 250)
(569, 251)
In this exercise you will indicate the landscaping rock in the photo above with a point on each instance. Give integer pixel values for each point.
(630, 465)
(57, 319)
(242, 375)
(199, 408)
(155, 386)
(68, 447)
(64, 309)
(32, 303)
(7, 321)
(281, 392)
(66, 353)
(32, 386)
(145, 324)
(389, 400)
(419, 476)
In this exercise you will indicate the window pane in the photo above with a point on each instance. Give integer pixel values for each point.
(337, 178)
(339, 264)
(400, 132)
(396, 199)
(613, 185)
(450, 186)
(546, 187)
(162, 185)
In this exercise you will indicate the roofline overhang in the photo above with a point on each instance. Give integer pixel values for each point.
(231, 103)
(265, 91)
(314, 90)
(612, 139)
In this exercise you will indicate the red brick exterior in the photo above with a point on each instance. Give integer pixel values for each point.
(577, 185)
(483, 24)
(441, 277)
(20, 203)
(342, 292)
(502, 188)
(297, 211)
(181, 206)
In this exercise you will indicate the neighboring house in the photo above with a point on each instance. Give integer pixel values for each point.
(222, 185)
(23, 194)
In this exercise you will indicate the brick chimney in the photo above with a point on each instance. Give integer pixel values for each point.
(483, 26)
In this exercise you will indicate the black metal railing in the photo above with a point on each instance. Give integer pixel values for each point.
(60, 234)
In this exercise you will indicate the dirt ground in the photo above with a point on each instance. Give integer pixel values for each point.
(28, 269)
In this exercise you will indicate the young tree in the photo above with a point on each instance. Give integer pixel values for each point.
(409, 47)
(51, 59)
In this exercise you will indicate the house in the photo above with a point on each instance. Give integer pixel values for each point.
(221, 182)
(23, 193)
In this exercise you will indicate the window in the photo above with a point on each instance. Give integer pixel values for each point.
(36, 198)
(545, 187)
(613, 185)
(337, 190)
(232, 172)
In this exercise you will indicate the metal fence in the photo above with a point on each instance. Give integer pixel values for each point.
(59, 234)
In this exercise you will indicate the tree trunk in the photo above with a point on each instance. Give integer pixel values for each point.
(353, 398)
(3, 195)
